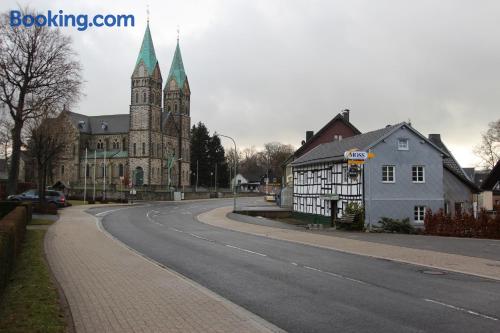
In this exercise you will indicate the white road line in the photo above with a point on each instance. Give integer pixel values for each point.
(177, 230)
(245, 250)
(461, 309)
(109, 211)
(294, 263)
(313, 269)
(194, 235)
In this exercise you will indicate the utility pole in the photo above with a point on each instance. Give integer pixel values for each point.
(235, 152)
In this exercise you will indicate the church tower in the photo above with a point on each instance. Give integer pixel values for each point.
(177, 107)
(145, 136)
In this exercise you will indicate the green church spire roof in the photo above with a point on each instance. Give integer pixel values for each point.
(147, 53)
(177, 68)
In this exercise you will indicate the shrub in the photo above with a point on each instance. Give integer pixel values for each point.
(354, 208)
(398, 226)
(462, 224)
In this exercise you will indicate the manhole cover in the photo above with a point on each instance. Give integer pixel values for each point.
(431, 272)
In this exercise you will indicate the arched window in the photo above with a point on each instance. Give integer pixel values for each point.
(136, 97)
(62, 170)
(143, 148)
(120, 170)
(144, 98)
(158, 149)
(124, 145)
(87, 171)
(135, 150)
(175, 107)
(168, 108)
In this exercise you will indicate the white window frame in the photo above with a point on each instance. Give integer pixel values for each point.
(403, 147)
(393, 174)
(345, 174)
(417, 174)
(419, 214)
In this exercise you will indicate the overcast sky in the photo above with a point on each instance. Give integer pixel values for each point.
(263, 71)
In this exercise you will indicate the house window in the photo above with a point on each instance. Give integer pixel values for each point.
(329, 176)
(419, 214)
(446, 207)
(337, 137)
(388, 174)
(143, 148)
(418, 174)
(403, 144)
(459, 207)
(345, 174)
(135, 150)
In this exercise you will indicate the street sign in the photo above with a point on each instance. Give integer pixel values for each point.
(332, 196)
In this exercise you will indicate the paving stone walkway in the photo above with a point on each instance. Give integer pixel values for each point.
(452, 262)
(110, 288)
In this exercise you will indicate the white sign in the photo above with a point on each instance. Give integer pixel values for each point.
(356, 155)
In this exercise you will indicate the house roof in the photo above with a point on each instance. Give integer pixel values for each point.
(493, 178)
(147, 53)
(177, 68)
(107, 124)
(334, 151)
(338, 117)
(451, 164)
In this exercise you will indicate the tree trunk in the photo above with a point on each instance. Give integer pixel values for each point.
(14, 159)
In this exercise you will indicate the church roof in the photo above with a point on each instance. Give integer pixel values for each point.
(147, 53)
(177, 68)
(107, 124)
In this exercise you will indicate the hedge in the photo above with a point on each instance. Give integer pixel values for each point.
(12, 231)
(463, 224)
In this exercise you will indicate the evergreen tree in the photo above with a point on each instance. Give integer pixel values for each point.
(199, 155)
(217, 157)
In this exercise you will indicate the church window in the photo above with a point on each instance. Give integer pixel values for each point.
(100, 145)
(137, 97)
(135, 150)
(87, 171)
(152, 172)
(143, 148)
(158, 149)
(124, 144)
(175, 107)
(62, 170)
(168, 108)
(120, 170)
(144, 98)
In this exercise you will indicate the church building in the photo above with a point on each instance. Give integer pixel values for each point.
(148, 146)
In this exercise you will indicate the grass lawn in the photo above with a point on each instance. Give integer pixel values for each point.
(30, 302)
(41, 222)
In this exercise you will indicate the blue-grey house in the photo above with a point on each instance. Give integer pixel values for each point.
(403, 179)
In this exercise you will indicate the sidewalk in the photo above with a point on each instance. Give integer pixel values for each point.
(452, 262)
(110, 288)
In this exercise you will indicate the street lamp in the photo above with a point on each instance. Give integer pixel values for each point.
(234, 184)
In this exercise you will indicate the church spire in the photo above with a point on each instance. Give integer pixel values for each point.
(177, 68)
(147, 53)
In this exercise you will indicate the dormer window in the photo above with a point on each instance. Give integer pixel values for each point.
(403, 144)
(81, 124)
(104, 125)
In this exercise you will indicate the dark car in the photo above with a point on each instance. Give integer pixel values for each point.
(51, 196)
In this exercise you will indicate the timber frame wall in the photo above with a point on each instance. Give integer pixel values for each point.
(310, 182)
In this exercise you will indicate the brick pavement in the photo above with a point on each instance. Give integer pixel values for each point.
(439, 260)
(110, 288)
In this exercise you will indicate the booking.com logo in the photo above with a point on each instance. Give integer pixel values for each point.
(81, 21)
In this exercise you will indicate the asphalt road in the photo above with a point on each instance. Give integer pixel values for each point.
(302, 288)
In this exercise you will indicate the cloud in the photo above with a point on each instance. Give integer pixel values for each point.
(265, 71)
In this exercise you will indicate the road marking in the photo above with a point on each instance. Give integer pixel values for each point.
(109, 211)
(461, 309)
(294, 263)
(245, 250)
(194, 235)
(313, 269)
(177, 230)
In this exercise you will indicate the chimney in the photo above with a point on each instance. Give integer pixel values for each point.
(309, 135)
(435, 138)
(345, 114)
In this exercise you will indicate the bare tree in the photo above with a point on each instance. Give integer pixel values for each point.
(38, 75)
(46, 143)
(489, 149)
(5, 133)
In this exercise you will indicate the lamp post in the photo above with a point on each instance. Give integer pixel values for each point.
(234, 184)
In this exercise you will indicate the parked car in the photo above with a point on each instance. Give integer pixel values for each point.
(51, 196)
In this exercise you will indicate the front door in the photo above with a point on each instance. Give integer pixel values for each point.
(139, 176)
(333, 210)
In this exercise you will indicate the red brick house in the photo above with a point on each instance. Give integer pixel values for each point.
(336, 129)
